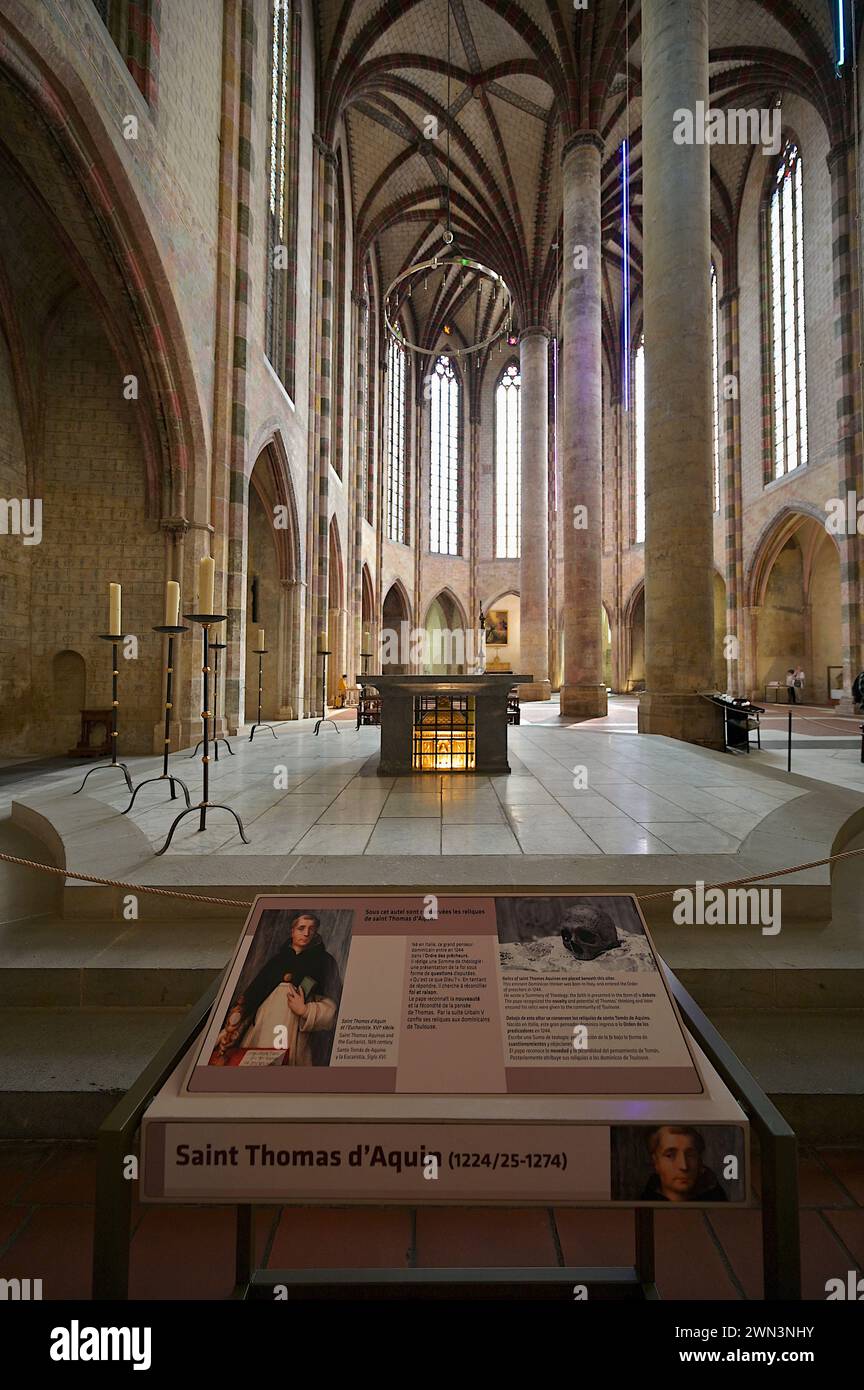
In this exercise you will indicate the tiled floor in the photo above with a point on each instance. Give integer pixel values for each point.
(46, 1232)
(574, 789)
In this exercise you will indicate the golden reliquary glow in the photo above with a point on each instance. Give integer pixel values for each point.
(444, 733)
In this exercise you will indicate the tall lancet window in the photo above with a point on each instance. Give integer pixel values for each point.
(715, 378)
(508, 463)
(444, 474)
(396, 442)
(786, 297)
(639, 441)
(280, 308)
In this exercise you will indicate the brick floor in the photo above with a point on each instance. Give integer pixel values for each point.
(46, 1232)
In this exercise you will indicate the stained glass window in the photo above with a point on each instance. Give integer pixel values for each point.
(508, 463)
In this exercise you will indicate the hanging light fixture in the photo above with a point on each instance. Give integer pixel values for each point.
(466, 271)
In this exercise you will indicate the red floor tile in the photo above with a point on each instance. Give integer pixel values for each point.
(342, 1238)
(11, 1218)
(55, 1246)
(817, 1186)
(822, 1256)
(849, 1226)
(69, 1177)
(689, 1265)
(485, 1237)
(595, 1237)
(18, 1163)
(848, 1167)
(188, 1252)
(740, 1234)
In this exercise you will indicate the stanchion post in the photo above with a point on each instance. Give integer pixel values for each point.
(789, 745)
(165, 775)
(115, 638)
(206, 620)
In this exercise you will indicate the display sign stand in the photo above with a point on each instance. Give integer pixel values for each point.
(237, 1093)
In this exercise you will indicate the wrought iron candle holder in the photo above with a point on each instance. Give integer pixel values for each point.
(165, 775)
(206, 620)
(115, 639)
(216, 647)
(324, 717)
(261, 653)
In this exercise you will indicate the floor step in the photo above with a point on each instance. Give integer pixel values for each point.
(810, 1063)
(65, 1069)
(50, 962)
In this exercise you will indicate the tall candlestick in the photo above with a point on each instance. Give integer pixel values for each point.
(172, 603)
(114, 627)
(260, 647)
(206, 584)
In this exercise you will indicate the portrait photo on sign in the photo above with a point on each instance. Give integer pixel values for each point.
(586, 935)
(677, 1163)
(285, 1005)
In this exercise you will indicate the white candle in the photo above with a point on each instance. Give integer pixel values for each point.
(260, 646)
(206, 582)
(172, 604)
(114, 628)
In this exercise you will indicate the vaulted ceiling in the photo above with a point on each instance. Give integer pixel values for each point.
(521, 77)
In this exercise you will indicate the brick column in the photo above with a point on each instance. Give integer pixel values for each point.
(730, 377)
(847, 342)
(237, 530)
(583, 693)
(534, 506)
(321, 373)
(679, 570)
(353, 660)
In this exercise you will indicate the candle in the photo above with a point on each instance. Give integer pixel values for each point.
(206, 578)
(260, 646)
(114, 628)
(172, 604)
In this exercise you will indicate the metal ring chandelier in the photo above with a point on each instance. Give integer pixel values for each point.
(463, 264)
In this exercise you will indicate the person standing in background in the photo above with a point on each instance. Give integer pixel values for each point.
(790, 687)
(798, 684)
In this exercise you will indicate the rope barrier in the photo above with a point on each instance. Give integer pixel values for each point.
(240, 902)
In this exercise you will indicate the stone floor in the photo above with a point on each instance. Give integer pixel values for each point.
(597, 789)
(46, 1232)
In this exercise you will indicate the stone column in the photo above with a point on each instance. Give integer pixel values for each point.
(353, 659)
(534, 505)
(730, 376)
(679, 575)
(288, 648)
(321, 392)
(847, 341)
(583, 692)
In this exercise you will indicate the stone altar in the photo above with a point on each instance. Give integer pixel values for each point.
(443, 724)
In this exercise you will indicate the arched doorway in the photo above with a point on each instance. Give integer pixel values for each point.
(395, 638)
(606, 638)
(446, 636)
(367, 622)
(100, 404)
(634, 635)
(503, 632)
(795, 608)
(272, 588)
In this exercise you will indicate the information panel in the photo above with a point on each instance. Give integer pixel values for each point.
(468, 1047)
(475, 994)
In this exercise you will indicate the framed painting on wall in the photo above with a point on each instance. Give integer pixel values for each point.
(496, 627)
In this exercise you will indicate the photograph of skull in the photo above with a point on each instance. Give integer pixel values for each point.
(585, 935)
